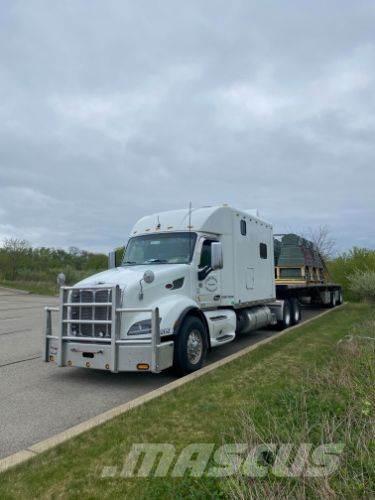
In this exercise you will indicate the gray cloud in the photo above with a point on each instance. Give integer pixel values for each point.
(111, 110)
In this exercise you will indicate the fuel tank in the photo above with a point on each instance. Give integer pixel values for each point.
(253, 318)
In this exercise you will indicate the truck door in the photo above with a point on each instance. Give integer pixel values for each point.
(209, 281)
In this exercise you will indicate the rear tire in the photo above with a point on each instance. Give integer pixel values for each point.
(287, 318)
(190, 346)
(295, 311)
(340, 298)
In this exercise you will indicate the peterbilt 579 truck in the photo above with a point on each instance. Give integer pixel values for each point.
(189, 281)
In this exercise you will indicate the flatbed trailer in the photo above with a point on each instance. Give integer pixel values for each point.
(328, 294)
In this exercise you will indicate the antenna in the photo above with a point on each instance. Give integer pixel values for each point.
(190, 229)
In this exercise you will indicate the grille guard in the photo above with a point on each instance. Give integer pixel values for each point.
(115, 322)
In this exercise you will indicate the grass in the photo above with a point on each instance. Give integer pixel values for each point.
(335, 405)
(303, 386)
(44, 282)
(38, 287)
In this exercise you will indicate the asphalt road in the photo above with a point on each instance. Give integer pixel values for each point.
(38, 400)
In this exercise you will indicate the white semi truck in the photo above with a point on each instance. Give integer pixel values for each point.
(189, 281)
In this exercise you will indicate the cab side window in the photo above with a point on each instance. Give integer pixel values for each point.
(206, 254)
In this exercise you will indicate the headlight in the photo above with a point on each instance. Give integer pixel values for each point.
(141, 327)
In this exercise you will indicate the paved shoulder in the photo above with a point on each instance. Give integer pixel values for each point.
(21, 325)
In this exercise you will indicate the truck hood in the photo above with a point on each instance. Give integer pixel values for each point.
(129, 275)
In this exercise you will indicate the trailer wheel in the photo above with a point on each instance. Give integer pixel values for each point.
(295, 311)
(333, 300)
(287, 318)
(190, 346)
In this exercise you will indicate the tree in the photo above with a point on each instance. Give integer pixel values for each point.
(15, 251)
(321, 237)
(75, 251)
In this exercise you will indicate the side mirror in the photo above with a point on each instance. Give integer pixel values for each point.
(111, 260)
(216, 255)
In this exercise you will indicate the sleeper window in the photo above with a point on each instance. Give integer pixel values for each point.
(263, 250)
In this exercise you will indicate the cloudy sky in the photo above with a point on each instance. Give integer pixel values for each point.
(110, 110)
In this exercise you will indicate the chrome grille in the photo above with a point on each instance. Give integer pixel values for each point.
(90, 313)
(86, 312)
(103, 295)
(101, 313)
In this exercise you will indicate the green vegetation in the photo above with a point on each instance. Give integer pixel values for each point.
(36, 269)
(348, 264)
(362, 284)
(311, 385)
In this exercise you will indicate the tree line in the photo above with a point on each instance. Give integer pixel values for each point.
(20, 261)
(36, 269)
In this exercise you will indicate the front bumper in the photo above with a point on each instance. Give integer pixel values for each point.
(131, 357)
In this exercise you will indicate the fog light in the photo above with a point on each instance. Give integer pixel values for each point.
(88, 365)
(143, 366)
(107, 366)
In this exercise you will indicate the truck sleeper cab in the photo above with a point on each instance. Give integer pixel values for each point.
(188, 281)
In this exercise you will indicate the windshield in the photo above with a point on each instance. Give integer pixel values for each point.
(171, 248)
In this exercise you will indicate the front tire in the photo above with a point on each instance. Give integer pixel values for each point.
(190, 346)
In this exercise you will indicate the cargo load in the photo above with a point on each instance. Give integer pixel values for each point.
(298, 260)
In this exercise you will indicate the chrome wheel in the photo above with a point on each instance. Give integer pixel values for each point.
(194, 347)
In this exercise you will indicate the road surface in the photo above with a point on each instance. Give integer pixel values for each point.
(38, 400)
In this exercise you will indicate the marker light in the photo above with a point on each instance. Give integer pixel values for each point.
(143, 366)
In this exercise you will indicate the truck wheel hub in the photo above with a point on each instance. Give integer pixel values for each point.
(194, 347)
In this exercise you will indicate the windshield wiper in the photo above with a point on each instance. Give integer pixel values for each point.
(129, 262)
(157, 261)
